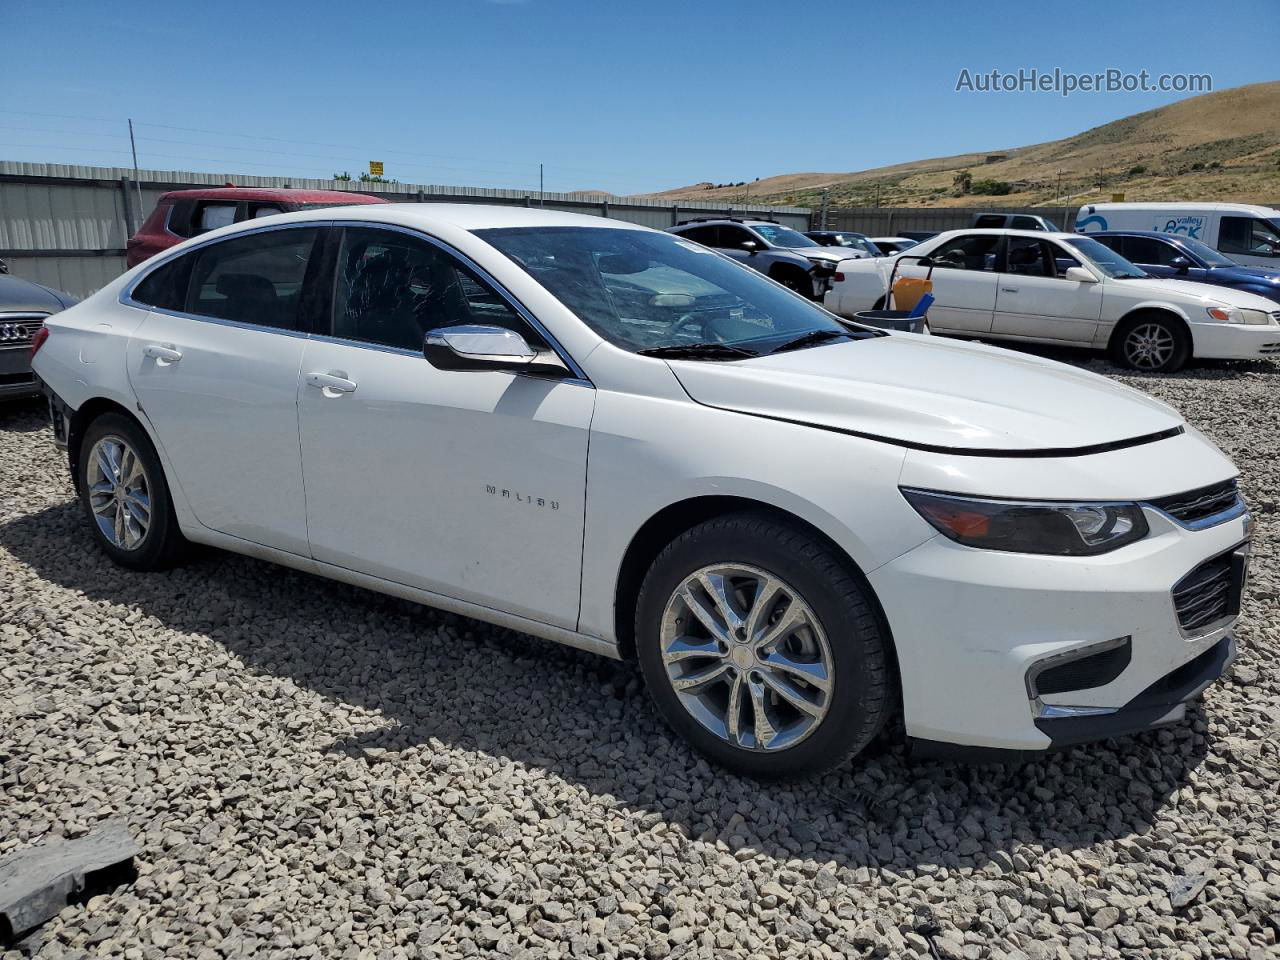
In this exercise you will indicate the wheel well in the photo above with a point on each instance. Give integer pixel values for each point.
(668, 523)
(89, 411)
(780, 270)
(1153, 313)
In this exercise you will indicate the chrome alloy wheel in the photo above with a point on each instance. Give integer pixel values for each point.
(119, 492)
(746, 657)
(1149, 346)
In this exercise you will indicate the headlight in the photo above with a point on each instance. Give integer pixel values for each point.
(1238, 315)
(1031, 526)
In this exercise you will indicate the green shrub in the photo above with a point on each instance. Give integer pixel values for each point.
(991, 188)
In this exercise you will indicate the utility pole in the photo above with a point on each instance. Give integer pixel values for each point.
(134, 147)
(542, 200)
(1058, 189)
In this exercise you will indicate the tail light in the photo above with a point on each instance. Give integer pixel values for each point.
(838, 276)
(38, 339)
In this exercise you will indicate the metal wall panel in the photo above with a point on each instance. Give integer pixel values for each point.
(79, 276)
(46, 208)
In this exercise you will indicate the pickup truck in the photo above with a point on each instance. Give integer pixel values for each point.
(1014, 221)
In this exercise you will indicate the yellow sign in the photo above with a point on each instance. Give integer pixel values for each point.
(1115, 197)
(375, 168)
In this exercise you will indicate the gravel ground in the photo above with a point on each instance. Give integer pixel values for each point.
(316, 771)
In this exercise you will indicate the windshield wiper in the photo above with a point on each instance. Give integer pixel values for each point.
(698, 351)
(812, 338)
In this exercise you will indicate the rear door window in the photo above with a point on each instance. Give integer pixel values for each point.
(989, 220)
(212, 214)
(1249, 236)
(707, 236)
(256, 279)
(972, 252)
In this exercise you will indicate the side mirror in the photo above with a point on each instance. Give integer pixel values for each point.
(1181, 264)
(750, 246)
(928, 262)
(1080, 275)
(470, 347)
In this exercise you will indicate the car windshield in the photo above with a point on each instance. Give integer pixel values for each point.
(643, 290)
(782, 236)
(1209, 256)
(1108, 261)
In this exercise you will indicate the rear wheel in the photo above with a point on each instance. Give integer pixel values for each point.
(1152, 343)
(760, 648)
(125, 497)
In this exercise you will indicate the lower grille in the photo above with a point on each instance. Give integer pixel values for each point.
(1200, 503)
(1211, 592)
(1085, 673)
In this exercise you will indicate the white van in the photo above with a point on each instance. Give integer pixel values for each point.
(1242, 231)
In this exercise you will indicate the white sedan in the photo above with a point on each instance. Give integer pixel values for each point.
(620, 440)
(1066, 288)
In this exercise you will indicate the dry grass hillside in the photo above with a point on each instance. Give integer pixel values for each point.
(1218, 146)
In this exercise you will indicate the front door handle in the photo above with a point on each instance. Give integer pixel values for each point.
(1008, 289)
(165, 353)
(333, 384)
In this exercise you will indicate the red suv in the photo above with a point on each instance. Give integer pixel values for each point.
(187, 213)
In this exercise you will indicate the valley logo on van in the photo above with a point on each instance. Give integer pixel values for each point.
(1186, 226)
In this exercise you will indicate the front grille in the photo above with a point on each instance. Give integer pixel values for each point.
(1269, 349)
(18, 331)
(1211, 592)
(11, 379)
(1198, 504)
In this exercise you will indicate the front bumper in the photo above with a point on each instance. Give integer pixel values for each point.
(1234, 341)
(972, 626)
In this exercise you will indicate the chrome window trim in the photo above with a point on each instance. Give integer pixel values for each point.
(126, 294)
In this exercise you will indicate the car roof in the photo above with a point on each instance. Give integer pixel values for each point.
(1251, 208)
(280, 195)
(464, 216)
(1004, 232)
(1158, 234)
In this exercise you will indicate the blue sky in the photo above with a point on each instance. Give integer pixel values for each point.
(626, 97)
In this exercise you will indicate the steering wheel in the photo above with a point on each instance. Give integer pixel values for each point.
(688, 320)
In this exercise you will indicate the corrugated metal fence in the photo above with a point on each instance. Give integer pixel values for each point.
(66, 226)
(888, 221)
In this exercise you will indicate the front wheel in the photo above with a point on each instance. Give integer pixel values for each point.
(761, 648)
(1151, 343)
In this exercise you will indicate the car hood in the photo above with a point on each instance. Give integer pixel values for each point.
(1187, 290)
(929, 393)
(824, 253)
(23, 296)
(1258, 275)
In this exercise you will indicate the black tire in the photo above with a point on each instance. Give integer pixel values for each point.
(863, 693)
(1136, 343)
(162, 543)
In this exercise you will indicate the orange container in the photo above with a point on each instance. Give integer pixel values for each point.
(907, 291)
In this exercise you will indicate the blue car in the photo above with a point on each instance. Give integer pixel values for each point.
(1185, 258)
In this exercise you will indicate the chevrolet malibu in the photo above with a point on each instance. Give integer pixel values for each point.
(621, 440)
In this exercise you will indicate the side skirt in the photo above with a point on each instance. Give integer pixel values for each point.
(570, 638)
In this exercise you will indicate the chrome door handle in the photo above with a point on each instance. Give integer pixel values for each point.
(165, 353)
(1008, 289)
(331, 383)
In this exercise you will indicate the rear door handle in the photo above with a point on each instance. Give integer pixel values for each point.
(1008, 289)
(165, 353)
(331, 383)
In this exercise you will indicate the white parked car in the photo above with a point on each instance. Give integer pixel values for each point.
(618, 439)
(1065, 288)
